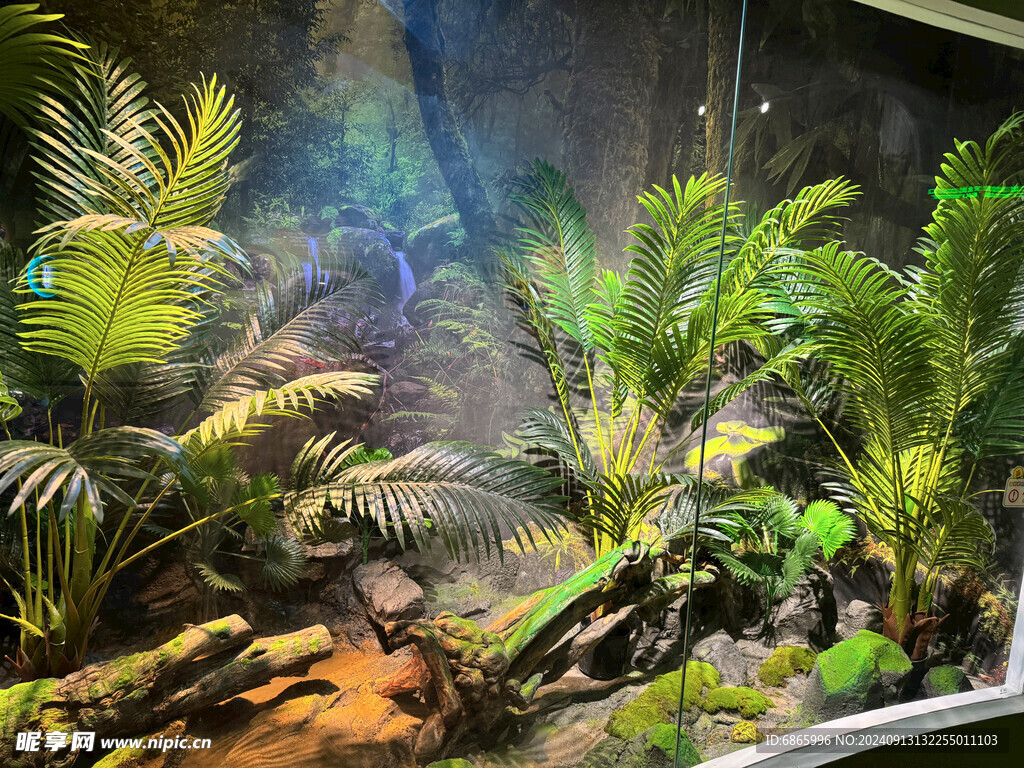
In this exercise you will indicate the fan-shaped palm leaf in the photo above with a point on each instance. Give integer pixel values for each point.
(833, 528)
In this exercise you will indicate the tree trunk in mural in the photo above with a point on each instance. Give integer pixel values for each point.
(425, 44)
(468, 675)
(133, 695)
(723, 46)
(608, 106)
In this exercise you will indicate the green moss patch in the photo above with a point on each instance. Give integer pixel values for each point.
(451, 762)
(745, 732)
(945, 680)
(663, 737)
(845, 665)
(748, 702)
(659, 703)
(786, 661)
(23, 703)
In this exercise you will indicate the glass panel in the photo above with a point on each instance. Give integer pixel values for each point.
(427, 343)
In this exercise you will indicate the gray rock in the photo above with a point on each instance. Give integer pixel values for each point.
(387, 593)
(808, 616)
(356, 216)
(857, 616)
(372, 251)
(721, 652)
(653, 748)
(661, 642)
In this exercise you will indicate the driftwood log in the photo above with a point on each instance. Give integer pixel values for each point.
(469, 675)
(135, 694)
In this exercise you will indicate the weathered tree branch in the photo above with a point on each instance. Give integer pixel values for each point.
(202, 666)
(470, 675)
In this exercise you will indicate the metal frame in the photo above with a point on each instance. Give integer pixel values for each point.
(958, 17)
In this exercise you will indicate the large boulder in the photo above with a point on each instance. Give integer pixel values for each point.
(428, 246)
(388, 593)
(944, 680)
(721, 652)
(808, 616)
(856, 675)
(857, 616)
(372, 251)
(356, 216)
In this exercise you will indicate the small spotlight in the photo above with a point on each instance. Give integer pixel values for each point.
(701, 110)
(764, 107)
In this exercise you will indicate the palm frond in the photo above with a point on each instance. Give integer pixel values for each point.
(880, 349)
(247, 416)
(545, 430)
(103, 99)
(94, 466)
(286, 320)
(28, 60)
(224, 582)
(560, 248)
(461, 493)
(829, 524)
(128, 274)
(283, 562)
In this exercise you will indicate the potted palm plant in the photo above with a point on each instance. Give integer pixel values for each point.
(621, 348)
(930, 363)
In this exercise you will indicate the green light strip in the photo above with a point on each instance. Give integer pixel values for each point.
(961, 192)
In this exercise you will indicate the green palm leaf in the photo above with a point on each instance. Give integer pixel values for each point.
(464, 494)
(103, 100)
(94, 466)
(28, 60)
(829, 524)
(248, 415)
(560, 247)
(880, 349)
(286, 320)
(283, 562)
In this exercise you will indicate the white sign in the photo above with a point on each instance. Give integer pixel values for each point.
(1013, 496)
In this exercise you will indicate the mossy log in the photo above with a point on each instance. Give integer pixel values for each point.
(202, 666)
(469, 675)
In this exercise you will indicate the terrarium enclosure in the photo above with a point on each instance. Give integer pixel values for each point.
(478, 383)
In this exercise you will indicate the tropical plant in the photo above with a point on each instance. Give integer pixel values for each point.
(128, 192)
(31, 61)
(931, 366)
(772, 546)
(461, 493)
(621, 349)
(215, 483)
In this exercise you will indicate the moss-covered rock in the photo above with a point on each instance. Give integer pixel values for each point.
(745, 732)
(748, 702)
(786, 661)
(944, 680)
(856, 675)
(452, 762)
(659, 703)
(661, 742)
